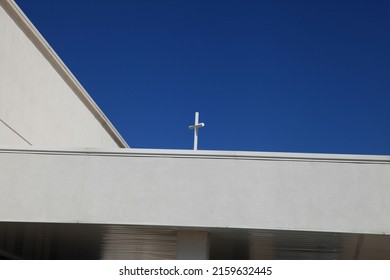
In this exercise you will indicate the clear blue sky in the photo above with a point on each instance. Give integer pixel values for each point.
(284, 76)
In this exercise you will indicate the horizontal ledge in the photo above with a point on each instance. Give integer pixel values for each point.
(202, 154)
(197, 227)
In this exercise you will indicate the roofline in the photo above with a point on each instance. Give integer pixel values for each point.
(201, 154)
(46, 50)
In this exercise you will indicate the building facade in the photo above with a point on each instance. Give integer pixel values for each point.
(71, 188)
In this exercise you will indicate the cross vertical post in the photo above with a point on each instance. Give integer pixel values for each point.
(196, 131)
(195, 127)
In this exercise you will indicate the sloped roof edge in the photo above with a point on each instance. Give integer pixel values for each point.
(43, 46)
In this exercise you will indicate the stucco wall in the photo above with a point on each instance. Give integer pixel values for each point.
(203, 189)
(36, 101)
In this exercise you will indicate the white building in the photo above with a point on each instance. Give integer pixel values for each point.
(71, 188)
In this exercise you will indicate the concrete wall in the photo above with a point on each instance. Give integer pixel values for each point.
(204, 189)
(37, 100)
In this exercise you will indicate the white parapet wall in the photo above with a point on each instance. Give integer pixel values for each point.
(41, 102)
(206, 189)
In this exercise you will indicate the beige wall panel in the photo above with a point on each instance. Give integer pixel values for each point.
(36, 101)
(203, 189)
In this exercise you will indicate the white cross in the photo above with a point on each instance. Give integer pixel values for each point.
(195, 127)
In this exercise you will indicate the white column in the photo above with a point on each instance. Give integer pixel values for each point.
(192, 245)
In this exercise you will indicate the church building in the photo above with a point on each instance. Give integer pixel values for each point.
(72, 188)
